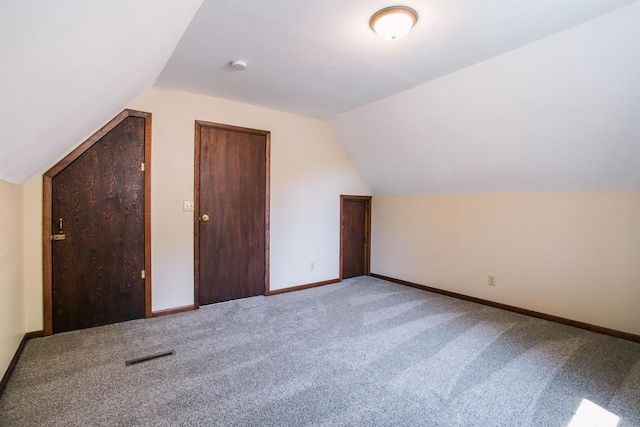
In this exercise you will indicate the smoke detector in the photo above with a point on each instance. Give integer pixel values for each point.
(238, 65)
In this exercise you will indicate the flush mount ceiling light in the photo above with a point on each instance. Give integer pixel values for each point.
(393, 23)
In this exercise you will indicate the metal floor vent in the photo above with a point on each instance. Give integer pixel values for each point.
(148, 358)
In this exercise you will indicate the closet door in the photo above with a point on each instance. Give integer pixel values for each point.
(232, 212)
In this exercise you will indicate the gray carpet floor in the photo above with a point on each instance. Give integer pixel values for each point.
(363, 352)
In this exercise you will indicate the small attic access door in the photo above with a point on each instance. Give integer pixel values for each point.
(355, 236)
(96, 229)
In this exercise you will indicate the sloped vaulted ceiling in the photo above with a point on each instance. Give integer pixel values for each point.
(560, 114)
(482, 96)
(69, 66)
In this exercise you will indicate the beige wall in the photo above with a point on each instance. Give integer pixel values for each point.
(309, 171)
(569, 254)
(12, 314)
(574, 254)
(33, 253)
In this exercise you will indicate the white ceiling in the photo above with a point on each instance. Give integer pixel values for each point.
(67, 67)
(560, 114)
(319, 58)
(482, 96)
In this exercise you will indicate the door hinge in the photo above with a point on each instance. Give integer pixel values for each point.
(142, 274)
(141, 167)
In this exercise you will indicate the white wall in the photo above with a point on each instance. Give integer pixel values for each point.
(12, 313)
(309, 171)
(569, 254)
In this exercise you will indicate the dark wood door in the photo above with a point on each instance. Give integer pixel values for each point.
(355, 236)
(98, 203)
(232, 208)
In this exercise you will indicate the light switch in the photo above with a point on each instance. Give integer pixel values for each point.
(188, 205)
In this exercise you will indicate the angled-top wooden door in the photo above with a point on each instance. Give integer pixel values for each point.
(355, 225)
(232, 213)
(97, 229)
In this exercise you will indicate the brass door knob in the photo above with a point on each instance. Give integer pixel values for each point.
(205, 217)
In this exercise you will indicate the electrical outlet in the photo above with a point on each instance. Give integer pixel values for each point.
(492, 280)
(312, 266)
(188, 205)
